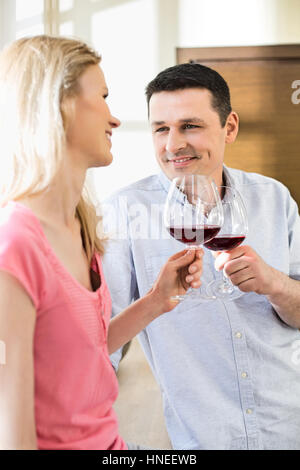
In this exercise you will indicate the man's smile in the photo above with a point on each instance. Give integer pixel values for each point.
(182, 161)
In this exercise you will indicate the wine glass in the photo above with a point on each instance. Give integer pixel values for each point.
(193, 214)
(231, 235)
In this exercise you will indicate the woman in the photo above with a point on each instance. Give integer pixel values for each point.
(58, 387)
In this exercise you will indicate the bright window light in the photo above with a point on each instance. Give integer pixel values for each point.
(125, 35)
(28, 9)
(31, 31)
(65, 5)
(66, 29)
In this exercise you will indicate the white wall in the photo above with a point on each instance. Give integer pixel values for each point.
(238, 22)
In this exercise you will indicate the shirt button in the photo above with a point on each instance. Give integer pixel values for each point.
(244, 375)
(238, 335)
(248, 411)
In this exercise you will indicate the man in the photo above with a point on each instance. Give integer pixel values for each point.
(228, 371)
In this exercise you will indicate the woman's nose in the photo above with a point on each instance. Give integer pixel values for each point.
(115, 122)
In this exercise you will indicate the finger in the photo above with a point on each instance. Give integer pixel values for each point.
(248, 286)
(199, 253)
(197, 264)
(241, 276)
(194, 277)
(220, 261)
(226, 257)
(195, 267)
(233, 267)
(182, 253)
(184, 260)
(194, 281)
(238, 251)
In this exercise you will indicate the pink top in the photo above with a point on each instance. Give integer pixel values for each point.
(75, 384)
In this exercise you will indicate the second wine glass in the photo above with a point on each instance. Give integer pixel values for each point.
(193, 215)
(231, 235)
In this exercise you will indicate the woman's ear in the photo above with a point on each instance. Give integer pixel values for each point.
(232, 127)
(67, 109)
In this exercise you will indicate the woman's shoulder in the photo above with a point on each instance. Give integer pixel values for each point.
(18, 225)
(21, 236)
(22, 249)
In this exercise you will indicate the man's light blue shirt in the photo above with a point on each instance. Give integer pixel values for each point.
(229, 372)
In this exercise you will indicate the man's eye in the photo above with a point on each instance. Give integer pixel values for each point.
(190, 126)
(161, 129)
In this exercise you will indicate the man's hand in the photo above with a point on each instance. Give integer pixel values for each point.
(248, 271)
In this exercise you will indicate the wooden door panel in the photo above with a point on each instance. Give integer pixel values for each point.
(261, 92)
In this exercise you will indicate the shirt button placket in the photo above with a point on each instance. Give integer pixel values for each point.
(247, 399)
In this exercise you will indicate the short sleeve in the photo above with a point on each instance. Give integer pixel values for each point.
(21, 255)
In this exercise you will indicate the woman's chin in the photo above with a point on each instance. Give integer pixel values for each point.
(103, 161)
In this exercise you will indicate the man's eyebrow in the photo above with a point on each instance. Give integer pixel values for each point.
(157, 123)
(192, 120)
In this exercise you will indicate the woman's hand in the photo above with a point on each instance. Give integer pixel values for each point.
(181, 271)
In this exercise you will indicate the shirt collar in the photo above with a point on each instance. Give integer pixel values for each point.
(164, 180)
(227, 177)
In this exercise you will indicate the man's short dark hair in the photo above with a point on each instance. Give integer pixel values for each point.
(193, 75)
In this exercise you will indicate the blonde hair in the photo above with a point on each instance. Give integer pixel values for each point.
(36, 75)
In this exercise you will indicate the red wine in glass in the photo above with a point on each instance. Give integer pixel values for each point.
(224, 242)
(232, 234)
(195, 235)
(193, 214)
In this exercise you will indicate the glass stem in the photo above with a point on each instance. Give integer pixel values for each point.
(227, 285)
